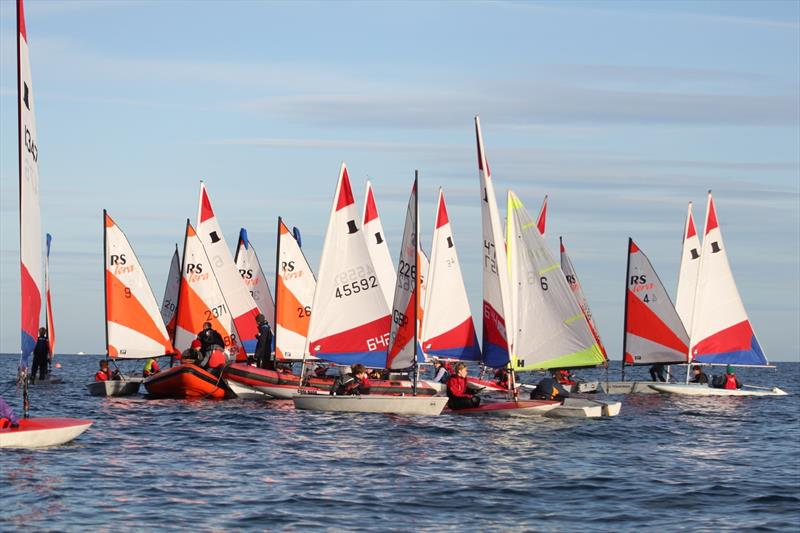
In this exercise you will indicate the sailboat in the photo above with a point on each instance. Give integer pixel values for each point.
(32, 432)
(249, 267)
(377, 246)
(169, 304)
(243, 307)
(654, 332)
(721, 332)
(294, 294)
(348, 330)
(200, 300)
(134, 326)
(448, 331)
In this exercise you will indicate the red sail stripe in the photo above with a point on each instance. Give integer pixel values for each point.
(643, 322)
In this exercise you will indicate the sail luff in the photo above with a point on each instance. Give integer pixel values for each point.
(30, 233)
(688, 272)
(497, 326)
(49, 320)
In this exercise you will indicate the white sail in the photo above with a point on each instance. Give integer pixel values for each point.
(654, 332)
(134, 326)
(169, 305)
(448, 330)
(294, 295)
(687, 276)
(201, 298)
(721, 331)
(249, 268)
(350, 318)
(30, 224)
(577, 291)
(402, 337)
(377, 246)
(551, 330)
(497, 328)
(237, 294)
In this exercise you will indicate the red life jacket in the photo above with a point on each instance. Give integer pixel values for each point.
(217, 359)
(457, 387)
(101, 376)
(5, 423)
(730, 382)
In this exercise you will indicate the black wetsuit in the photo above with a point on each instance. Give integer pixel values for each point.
(209, 338)
(41, 353)
(548, 389)
(658, 372)
(700, 378)
(263, 355)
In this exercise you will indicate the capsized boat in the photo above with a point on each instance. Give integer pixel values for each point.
(187, 381)
(42, 432)
(135, 328)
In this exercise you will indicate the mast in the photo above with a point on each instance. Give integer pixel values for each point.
(416, 278)
(105, 276)
(625, 312)
(275, 313)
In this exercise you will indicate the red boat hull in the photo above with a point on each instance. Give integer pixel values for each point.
(186, 381)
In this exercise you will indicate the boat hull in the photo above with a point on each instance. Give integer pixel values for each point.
(124, 387)
(285, 386)
(42, 432)
(705, 390)
(582, 408)
(506, 408)
(186, 381)
(372, 403)
(627, 387)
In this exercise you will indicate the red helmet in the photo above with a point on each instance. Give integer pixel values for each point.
(196, 343)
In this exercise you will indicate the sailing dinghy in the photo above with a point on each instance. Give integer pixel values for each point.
(169, 305)
(357, 301)
(134, 326)
(32, 432)
(200, 299)
(721, 332)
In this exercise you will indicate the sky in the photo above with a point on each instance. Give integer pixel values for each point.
(621, 112)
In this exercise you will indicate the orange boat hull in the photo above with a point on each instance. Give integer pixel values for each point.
(186, 381)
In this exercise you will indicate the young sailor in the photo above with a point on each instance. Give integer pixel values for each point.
(353, 383)
(440, 373)
(263, 353)
(699, 376)
(7, 417)
(548, 389)
(150, 367)
(41, 356)
(457, 393)
(105, 374)
(731, 382)
(192, 355)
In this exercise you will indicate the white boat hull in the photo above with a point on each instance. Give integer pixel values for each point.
(372, 403)
(507, 408)
(42, 432)
(246, 392)
(627, 387)
(581, 408)
(705, 390)
(125, 387)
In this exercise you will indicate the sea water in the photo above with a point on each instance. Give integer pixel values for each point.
(665, 463)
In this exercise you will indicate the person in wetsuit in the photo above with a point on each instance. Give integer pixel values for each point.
(355, 382)
(41, 356)
(263, 353)
(658, 372)
(457, 387)
(210, 339)
(699, 376)
(548, 389)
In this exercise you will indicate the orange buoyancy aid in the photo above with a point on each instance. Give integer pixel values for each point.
(217, 359)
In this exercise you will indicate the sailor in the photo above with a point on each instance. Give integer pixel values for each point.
(564, 377)
(375, 374)
(440, 373)
(7, 417)
(699, 375)
(41, 356)
(457, 393)
(354, 382)
(210, 339)
(192, 354)
(731, 381)
(548, 389)
(150, 368)
(658, 372)
(501, 377)
(263, 355)
(105, 374)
